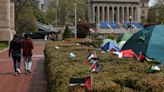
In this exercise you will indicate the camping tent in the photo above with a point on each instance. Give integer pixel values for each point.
(109, 45)
(123, 38)
(149, 41)
(106, 41)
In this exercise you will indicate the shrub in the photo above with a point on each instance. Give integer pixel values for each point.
(83, 30)
(67, 33)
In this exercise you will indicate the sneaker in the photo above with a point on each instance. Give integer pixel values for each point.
(15, 73)
(18, 70)
(29, 71)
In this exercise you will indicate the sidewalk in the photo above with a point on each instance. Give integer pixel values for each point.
(35, 82)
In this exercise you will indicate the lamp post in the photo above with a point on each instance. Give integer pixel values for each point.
(130, 20)
(75, 11)
(56, 13)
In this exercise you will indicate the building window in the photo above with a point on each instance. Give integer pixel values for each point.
(143, 12)
(142, 17)
(42, 6)
(143, 5)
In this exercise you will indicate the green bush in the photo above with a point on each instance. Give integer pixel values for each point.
(67, 33)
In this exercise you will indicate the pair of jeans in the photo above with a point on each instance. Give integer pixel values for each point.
(27, 63)
(17, 61)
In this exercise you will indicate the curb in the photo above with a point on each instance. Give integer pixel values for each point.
(3, 50)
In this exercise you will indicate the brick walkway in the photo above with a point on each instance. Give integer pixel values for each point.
(35, 82)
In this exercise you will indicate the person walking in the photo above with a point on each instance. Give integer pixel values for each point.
(45, 37)
(15, 51)
(27, 53)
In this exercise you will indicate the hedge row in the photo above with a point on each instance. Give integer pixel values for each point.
(116, 75)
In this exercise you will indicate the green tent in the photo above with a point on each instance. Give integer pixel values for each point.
(121, 43)
(126, 36)
(123, 38)
(150, 41)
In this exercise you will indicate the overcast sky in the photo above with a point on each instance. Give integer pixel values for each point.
(151, 2)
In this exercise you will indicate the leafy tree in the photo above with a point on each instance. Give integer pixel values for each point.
(26, 14)
(65, 11)
(26, 20)
(39, 14)
(156, 12)
(50, 16)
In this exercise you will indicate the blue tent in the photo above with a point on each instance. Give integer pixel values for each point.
(110, 45)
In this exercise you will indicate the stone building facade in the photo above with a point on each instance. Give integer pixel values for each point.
(7, 20)
(117, 10)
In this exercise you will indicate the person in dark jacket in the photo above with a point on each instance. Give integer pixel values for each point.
(27, 53)
(15, 51)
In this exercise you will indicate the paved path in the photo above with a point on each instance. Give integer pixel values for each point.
(35, 82)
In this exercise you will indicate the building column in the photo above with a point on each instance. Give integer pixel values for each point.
(138, 14)
(103, 13)
(118, 14)
(113, 14)
(132, 14)
(135, 14)
(123, 15)
(98, 12)
(127, 13)
(5, 30)
(93, 12)
(12, 18)
(107, 13)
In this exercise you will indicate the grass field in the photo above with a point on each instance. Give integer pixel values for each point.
(3, 45)
(116, 75)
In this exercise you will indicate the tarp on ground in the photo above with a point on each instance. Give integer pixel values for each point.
(126, 54)
(149, 41)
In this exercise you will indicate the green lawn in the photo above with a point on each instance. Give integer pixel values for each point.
(3, 45)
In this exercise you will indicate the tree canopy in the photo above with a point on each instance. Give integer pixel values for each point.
(61, 13)
(64, 11)
(26, 14)
(156, 12)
